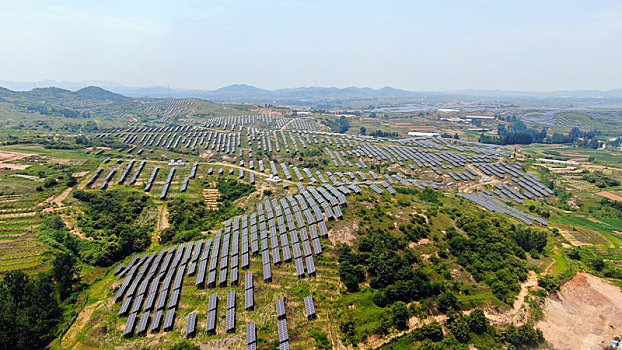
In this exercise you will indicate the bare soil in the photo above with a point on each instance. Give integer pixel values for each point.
(343, 234)
(609, 195)
(584, 314)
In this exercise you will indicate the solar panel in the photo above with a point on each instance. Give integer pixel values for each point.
(234, 276)
(230, 321)
(174, 300)
(211, 322)
(309, 307)
(267, 273)
(125, 307)
(138, 301)
(155, 322)
(222, 277)
(231, 300)
(142, 324)
(282, 329)
(249, 299)
(317, 247)
(280, 308)
(300, 269)
(129, 325)
(248, 281)
(212, 302)
(251, 333)
(211, 279)
(161, 300)
(149, 302)
(245, 261)
(169, 320)
(191, 327)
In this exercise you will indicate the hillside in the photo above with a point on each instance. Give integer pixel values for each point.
(368, 239)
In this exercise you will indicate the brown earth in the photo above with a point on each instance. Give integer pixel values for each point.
(344, 234)
(211, 196)
(609, 195)
(13, 166)
(584, 314)
(163, 220)
(7, 156)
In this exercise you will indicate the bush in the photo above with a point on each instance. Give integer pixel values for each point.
(49, 182)
(522, 337)
(321, 339)
(478, 323)
(598, 264)
(432, 331)
(447, 302)
(459, 327)
(400, 315)
(185, 345)
(550, 283)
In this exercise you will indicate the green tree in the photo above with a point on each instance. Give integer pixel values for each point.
(400, 315)
(459, 327)
(65, 273)
(447, 302)
(598, 263)
(478, 323)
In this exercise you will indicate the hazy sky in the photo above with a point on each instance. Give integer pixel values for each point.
(415, 45)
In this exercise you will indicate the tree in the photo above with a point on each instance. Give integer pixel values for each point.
(598, 263)
(400, 315)
(478, 323)
(65, 274)
(71, 181)
(29, 311)
(447, 302)
(460, 329)
(363, 130)
(432, 331)
(350, 281)
(49, 182)
(522, 337)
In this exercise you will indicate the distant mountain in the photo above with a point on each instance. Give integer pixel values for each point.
(248, 93)
(60, 97)
(99, 94)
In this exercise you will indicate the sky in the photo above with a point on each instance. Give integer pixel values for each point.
(425, 45)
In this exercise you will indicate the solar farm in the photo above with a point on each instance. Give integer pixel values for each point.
(273, 231)
(214, 288)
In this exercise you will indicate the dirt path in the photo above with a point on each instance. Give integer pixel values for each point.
(85, 315)
(546, 270)
(286, 124)
(519, 313)
(61, 197)
(70, 222)
(162, 219)
(584, 314)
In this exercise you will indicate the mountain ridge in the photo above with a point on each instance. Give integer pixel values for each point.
(104, 90)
